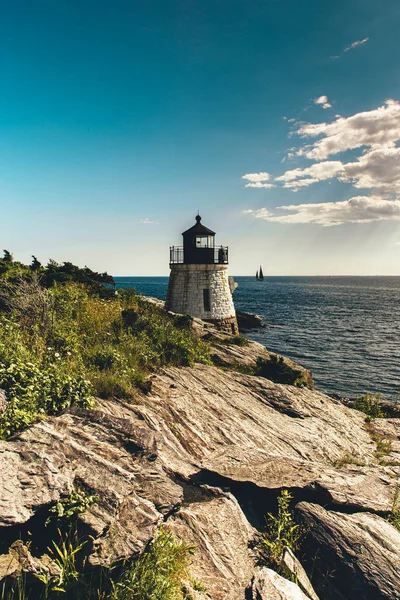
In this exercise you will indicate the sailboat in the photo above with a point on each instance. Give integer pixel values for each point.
(260, 275)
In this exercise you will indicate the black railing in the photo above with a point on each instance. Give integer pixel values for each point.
(206, 256)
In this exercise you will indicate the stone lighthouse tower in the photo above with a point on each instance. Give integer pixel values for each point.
(199, 284)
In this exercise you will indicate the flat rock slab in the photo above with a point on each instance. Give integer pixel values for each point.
(250, 429)
(356, 556)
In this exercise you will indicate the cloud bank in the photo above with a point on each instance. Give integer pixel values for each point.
(376, 134)
(359, 209)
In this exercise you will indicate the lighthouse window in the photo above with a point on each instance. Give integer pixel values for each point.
(206, 300)
(204, 242)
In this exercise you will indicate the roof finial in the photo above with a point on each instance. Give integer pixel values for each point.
(198, 217)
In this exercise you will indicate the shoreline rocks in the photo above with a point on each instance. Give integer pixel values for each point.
(207, 451)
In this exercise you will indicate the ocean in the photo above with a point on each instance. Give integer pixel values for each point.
(346, 330)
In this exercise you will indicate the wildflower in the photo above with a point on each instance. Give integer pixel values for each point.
(57, 354)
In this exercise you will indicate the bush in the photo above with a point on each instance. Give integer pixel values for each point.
(33, 392)
(275, 369)
(370, 404)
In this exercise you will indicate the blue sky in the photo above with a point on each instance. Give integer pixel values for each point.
(116, 114)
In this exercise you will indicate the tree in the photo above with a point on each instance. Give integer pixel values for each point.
(35, 264)
(7, 256)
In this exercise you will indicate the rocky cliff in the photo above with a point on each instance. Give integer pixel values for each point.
(207, 452)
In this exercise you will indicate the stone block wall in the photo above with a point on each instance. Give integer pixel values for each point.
(185, 293)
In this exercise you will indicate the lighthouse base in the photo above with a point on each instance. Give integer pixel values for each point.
(202, 291)
(229, 325)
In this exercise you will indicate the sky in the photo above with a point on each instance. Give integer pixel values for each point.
(278, 120)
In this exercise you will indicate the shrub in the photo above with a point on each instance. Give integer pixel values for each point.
(370, 404)
(237, 340)
(277, 370)
(33, 392)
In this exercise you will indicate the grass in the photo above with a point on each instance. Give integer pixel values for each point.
(161, 572)
(282, 531)
(348, 459)
(61, 346)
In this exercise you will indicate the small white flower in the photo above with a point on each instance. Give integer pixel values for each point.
(57, 355)
(69, 353)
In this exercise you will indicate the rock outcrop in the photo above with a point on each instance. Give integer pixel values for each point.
(207, 451)
(356, 556)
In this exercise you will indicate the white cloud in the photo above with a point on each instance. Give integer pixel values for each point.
(147, 221)
(260, 213)
(322, 101)
(297, 178)
(356, 43)
(255, 177)
(377, 169)
(373, 128)
(258, 180)
(359, 209)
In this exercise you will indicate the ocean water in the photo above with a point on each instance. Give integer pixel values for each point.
(346, 330)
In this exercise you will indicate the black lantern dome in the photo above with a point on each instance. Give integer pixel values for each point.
(199, 247)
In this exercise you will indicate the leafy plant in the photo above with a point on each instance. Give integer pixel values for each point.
(65, 510)
(282, 531)
(35, 391)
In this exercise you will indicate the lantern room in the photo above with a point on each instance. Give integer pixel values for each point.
(198, 247)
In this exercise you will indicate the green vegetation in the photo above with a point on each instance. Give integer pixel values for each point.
(62, 344)
(371, 405)
(394, 515)
(275, 369)
(282, 531)
(158, 574)
(66, 509)
(348, 459)
(237, 340)
(161, 572)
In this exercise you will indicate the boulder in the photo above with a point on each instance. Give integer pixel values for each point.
(248, 321)
(215, 524)
(268, 585)
(352, 555)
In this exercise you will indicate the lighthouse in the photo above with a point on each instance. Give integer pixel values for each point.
(199, 284)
